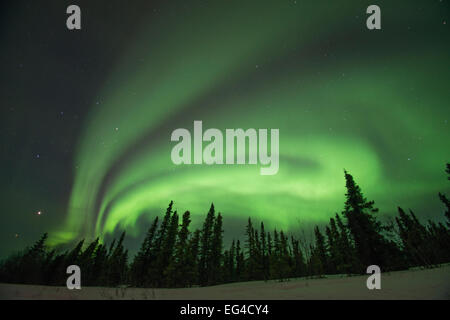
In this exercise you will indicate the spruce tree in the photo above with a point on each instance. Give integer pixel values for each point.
(165, 255)
(320, 252)
(299, 268)
(205, 246)
(192, 261)
(231, 262)
(99, 265)
(447, 169)
(336, 248)
(117, 263)
(250, 247)
(73, 257)
(142, 263)
(285, 262)
(239, 263)
(264, 255)
(350, 261)
(178, 264)
(331, 249)
(216, 251)
(414, 239)
(446, 202)
(365, 229)
(160, 238)
(30, 267)
(258, 274)
(87, 262)
(275, 257)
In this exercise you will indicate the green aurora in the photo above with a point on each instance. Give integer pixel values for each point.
(372, 102)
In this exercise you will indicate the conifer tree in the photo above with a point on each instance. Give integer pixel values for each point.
(285, 258)
(231, 262)
(225, 268)
(350, 261)
(161, 235)
(275, 257)
(371, 246)
(414, 239)
(258, 272)
(141, 266)
(299, 268)
(239, 263)
(446, 202)
(117, 263)
(439, 240)
(447, 169)
(250, 247)
(172, 256)
(99, 265)
(331, 249)
(444, 198)
(335, 246)
(216, 251)
(320, 252)
(192, 261)
(73, 257)
(86, 262)
(205, 246)
(31, 265)
(177, 268)
(264, 255)
(269, 244)
(166, 253)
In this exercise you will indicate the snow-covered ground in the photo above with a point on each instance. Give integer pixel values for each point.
(411, 284)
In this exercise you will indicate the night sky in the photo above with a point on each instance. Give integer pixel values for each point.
(86, 115)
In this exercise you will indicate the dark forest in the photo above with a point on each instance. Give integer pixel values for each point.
(171, 255)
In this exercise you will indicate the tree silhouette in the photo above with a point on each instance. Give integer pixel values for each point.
(206, 246)
(172, 256)
(365, 229)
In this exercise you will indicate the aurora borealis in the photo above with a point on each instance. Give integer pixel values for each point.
(372, 102)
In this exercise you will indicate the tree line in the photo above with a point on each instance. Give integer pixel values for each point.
(172, 255)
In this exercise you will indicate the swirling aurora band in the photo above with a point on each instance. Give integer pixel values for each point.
(375, 104)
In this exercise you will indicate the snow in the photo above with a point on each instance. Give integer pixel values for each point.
(410, 284)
